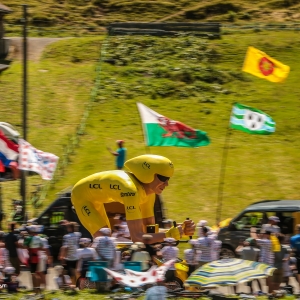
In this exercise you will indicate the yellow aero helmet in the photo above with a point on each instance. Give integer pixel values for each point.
(145, 166)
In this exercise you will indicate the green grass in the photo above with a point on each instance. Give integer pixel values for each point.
(188, 79)
(78, 17)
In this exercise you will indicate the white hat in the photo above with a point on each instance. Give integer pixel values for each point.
(193, 242)
(84, 240)
(105, 231)
(34, 228)
(274, 218)
(202, 223)
(169, 240)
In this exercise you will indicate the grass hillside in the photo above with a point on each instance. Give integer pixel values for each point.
(76, 17)
(187, 78)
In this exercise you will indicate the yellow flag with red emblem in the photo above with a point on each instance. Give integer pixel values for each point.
(262, 65)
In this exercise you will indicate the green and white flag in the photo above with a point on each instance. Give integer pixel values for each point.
(162, 131)
(251, 120)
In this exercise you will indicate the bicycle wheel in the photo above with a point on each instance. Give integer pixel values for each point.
(85, 283)
(176, 283)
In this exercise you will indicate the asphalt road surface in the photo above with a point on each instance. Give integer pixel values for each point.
(25, 279)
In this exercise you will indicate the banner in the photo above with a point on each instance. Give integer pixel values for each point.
(261, 65)
(32, 159)
(251, 120)
(162, 131)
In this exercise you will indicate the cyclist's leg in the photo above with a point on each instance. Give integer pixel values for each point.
(91, 218)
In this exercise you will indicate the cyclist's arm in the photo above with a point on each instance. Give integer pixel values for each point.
(136, 228)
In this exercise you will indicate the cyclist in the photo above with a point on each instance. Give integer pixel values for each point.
(149, 175)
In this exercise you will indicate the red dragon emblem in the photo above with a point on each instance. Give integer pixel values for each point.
(176, 129)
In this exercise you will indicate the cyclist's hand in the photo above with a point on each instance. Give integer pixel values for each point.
(188, 227)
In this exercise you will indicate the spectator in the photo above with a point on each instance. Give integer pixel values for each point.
(120, 154)
(295, 244)
(279, 258)
(63, 281)
(85, 254)
(216, 246)
(141, 255)
(206, 246)
(4, 254)
(170, 252)
(106, 248)
(272, 225)
(45, 258)
(10, 279)
(34, 244)
(248, 251)
(200, 225)
(11, 244)
(266, 254)
(192, 256)
(157, 292)
(124, 227)
(69, 250)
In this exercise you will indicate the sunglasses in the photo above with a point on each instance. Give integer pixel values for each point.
(162, 178)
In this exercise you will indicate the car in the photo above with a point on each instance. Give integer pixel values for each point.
(62, 209)
(255, 215)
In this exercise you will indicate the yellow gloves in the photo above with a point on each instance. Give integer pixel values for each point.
(174, 233)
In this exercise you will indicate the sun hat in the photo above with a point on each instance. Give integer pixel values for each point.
(105, 231)
(202, 223)
(193, 242)
(84, 241)
(144, 167)
(274, 218)
(9, 270)
(169, 240)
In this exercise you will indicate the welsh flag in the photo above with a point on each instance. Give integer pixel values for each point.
(162, 131)
(251, 120)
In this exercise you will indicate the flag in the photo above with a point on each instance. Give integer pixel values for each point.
(8, 150)
(162, 131)
(251, 120)
(32, 159)
(261, 65)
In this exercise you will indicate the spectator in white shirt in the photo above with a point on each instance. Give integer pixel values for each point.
(69, 250)
(272, 225)
(85, 254)
(206, 246)
(266, 253)
(141, 255)
(200, 225)
(170, 252)
(192, 256)
(105, 246)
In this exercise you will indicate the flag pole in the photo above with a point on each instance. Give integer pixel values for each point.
(23, 173)
(222, 175)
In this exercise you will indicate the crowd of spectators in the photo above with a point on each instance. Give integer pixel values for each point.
(29, 248)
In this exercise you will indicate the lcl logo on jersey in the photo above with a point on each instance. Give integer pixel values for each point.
(130, 209)
(146, 165)
(95, 186)
(114, 187)
(85, 211)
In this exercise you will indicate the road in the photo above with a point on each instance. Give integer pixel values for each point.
(25, 279)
